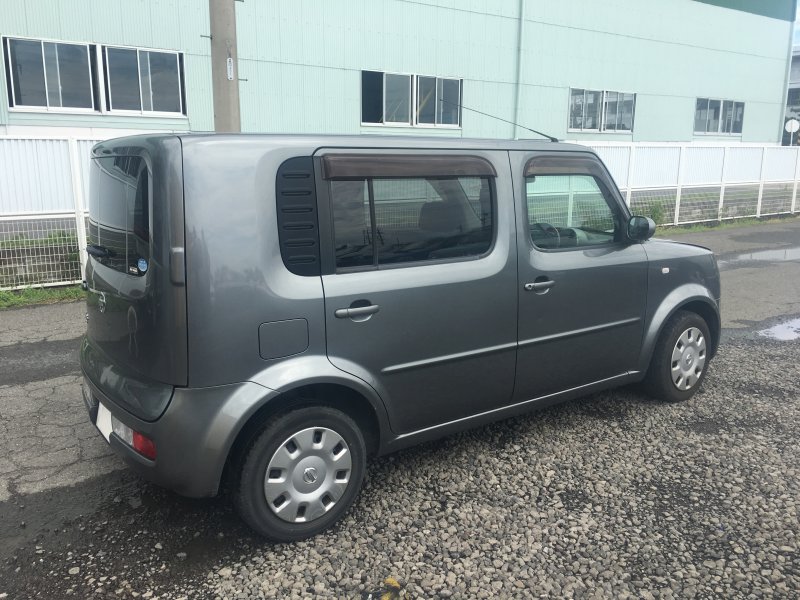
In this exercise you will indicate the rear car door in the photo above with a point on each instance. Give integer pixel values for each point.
(582, 285)
(419, 279)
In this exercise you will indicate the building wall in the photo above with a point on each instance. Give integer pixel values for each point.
(155, 24)
(302, 61)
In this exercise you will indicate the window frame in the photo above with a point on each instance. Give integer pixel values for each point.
(578, 165)
(326, 209)
(414, 102)
(722, 102)
(95, 84)
(103, 66)
(603, 104)
(98, 77)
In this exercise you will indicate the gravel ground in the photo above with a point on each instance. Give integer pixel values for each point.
(608, 496)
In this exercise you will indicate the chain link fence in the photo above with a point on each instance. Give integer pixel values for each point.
(43, 187)
(678, 185)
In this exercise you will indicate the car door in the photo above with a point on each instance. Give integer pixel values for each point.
(420, 278)
(582, 283)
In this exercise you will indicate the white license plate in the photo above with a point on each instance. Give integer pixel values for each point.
(104, 421)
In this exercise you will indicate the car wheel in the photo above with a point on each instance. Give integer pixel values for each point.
(680, 359)
(301, 474)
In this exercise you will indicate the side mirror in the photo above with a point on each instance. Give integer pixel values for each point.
(641, 228)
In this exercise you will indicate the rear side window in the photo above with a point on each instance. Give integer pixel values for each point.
(119, 214)
(382, 220)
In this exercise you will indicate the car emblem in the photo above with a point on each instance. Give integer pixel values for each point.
(101, 302)
(310, 475)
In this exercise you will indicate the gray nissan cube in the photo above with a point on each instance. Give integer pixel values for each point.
(266, 312)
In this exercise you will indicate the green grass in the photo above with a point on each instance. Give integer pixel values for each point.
(725, 224)
(58, 238)
(40, 295)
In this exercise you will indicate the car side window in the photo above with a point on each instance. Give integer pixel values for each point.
(569, 211)
(381, 221)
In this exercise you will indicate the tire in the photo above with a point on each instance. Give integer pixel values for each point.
(680, 358)
(301, 473)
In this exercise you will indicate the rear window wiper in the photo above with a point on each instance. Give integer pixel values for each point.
(100, 251)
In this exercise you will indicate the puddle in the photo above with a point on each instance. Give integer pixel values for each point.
(783, 331)
(783, 255)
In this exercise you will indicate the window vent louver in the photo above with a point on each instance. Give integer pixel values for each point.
(297, 216)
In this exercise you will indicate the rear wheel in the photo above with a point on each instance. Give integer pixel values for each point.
(680, 358)
(301, 474)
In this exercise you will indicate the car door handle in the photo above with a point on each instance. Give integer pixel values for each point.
(359, 311)
(539, 286)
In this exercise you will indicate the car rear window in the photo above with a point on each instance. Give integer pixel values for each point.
(408, 209)
(119, 214)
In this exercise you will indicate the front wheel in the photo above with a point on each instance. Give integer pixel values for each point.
(301, 474)
(680, 358)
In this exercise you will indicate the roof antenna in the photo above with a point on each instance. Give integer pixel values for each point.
(544, 135)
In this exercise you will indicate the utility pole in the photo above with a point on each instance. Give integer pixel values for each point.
(224, 65)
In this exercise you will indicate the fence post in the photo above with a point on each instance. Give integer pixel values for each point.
(77, 197)
(761, 182)
(680, 183)
(796, 177)
(722, 184)
(629, 178)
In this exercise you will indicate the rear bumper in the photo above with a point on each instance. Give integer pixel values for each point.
(193, 436)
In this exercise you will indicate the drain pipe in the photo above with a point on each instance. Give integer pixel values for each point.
(518, 92)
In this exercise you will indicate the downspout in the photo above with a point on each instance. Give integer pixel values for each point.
(786, 85)
(520, 22)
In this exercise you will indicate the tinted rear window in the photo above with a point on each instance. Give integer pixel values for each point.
(119, 214)
(384, 221)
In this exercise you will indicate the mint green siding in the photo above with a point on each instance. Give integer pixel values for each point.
(302, 60)
(157, 24)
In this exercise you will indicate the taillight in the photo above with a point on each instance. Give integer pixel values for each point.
(139, 442)
(144, 445)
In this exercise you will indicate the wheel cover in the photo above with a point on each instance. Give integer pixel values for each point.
(307, 475)
(688, 359)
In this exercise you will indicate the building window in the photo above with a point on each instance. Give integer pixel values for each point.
(718, 117)
(393, 99)
(143, 80)
(69, 77)
(597, 110)
(49, 75)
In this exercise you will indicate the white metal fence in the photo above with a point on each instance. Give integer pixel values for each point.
(42, 211)
(43, 195)
(692, 184)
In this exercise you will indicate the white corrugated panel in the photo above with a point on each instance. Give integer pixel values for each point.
(34, 176)
(655, 166)
(703, 165)
(743, 164)
(779, 164)
(84, 154)
(616, 159)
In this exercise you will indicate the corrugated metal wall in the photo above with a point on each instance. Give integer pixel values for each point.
(158, 24)
(35, 176)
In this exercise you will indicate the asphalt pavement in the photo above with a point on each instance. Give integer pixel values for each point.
(612, 495)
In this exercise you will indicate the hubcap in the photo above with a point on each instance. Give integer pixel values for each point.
(688, 359)
(307, 475)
